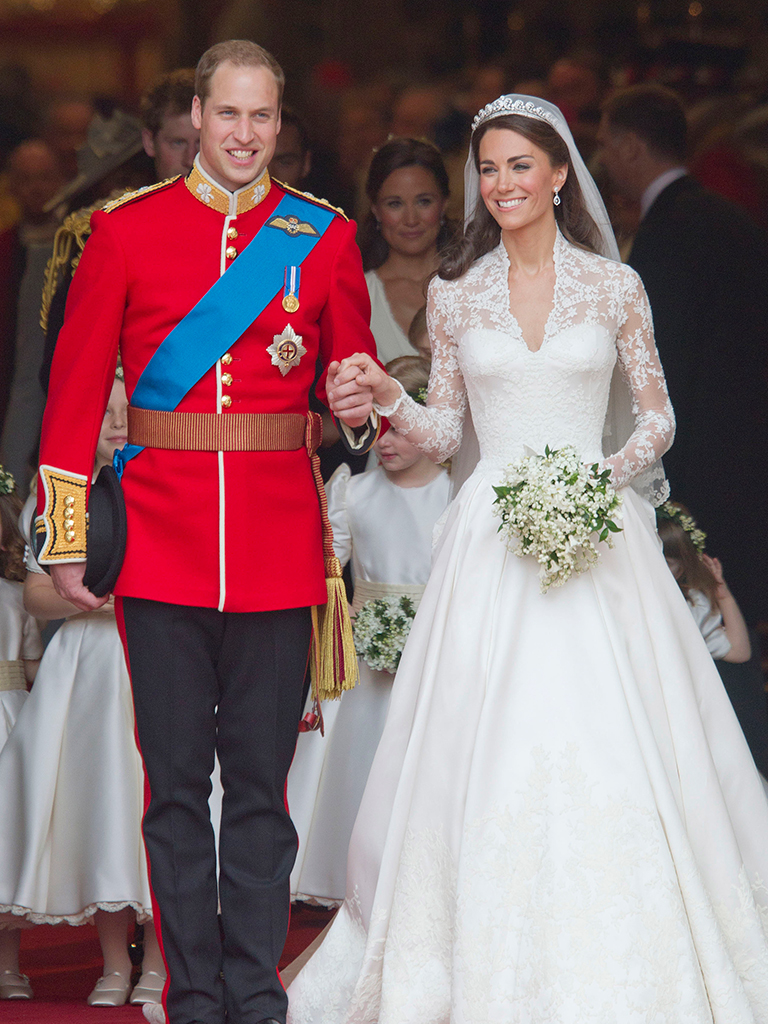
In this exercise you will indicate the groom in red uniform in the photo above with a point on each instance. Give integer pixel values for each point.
(224, 554)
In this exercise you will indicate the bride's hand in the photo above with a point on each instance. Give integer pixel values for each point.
(355, 381)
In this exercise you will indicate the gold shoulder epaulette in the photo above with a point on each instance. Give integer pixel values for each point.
(139, 193)
(70, 239)
(312, 199)
(68, 244)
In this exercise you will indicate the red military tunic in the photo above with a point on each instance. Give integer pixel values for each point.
(238, 531)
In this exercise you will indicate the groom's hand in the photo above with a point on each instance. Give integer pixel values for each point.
(351, 401)
(68, 581)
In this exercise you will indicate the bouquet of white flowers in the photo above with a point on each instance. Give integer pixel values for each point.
(551, 506)
(381, 628)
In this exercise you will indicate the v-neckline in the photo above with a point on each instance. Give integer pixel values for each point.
(517, 329)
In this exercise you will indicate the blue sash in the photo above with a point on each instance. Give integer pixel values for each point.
(225, 312)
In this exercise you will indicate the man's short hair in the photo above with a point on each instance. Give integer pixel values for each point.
(655, 115)
(243, 54)
(170, 95)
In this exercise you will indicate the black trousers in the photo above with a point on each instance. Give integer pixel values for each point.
(227, 682)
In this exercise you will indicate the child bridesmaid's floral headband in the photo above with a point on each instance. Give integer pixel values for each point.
(674, 514)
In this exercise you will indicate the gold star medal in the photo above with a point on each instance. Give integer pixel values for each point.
(291, 289)
(286, 350)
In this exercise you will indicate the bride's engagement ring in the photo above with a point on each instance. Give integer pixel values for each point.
(555, 508)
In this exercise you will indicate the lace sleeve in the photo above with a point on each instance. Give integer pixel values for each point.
(437, 428)
(640, 367)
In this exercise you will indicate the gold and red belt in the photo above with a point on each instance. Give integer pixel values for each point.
(231, 432)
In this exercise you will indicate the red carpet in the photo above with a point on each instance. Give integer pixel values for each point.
(64, 963)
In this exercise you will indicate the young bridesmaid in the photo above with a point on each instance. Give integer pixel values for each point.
(383, 521)
(701, 580)
(20, 651)
(71, 787)
(20, 645)
(718, 616)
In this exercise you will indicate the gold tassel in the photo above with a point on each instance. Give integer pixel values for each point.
(334, 661)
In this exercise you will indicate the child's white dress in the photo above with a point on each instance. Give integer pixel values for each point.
(71, 785)
(19, 642)
(387, 532)
(710, 623)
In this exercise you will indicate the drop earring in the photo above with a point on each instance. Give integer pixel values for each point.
(556, 197)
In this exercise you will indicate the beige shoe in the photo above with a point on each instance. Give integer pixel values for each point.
(154, 1013)
(14, 986)
(111, 990)
(149, 988)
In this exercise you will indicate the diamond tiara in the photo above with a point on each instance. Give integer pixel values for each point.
(508, 105)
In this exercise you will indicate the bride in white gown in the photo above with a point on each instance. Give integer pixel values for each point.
(563, 822)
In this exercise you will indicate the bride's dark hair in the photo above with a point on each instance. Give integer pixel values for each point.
(482, 234)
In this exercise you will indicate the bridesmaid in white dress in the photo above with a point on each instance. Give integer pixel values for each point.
(71, 785)
(562, 822)
(407, 187)
(20, 650)
(20, 644)
(383, 522)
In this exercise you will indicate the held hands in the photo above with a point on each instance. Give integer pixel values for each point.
(353, 384)
(68, 581)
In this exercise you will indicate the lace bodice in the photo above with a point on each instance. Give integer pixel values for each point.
(553, 396)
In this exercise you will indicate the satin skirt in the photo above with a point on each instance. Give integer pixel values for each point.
(563, 823)
(11, 703)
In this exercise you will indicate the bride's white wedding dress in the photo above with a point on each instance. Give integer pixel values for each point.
(563, 822)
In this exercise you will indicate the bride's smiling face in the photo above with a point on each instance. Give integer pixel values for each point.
(517, 181)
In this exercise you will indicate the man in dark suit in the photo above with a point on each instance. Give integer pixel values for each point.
(705, 267)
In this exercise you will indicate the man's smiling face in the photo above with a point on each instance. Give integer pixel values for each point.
(238, 123)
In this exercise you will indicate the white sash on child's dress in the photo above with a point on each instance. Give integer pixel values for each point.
(368, 590)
